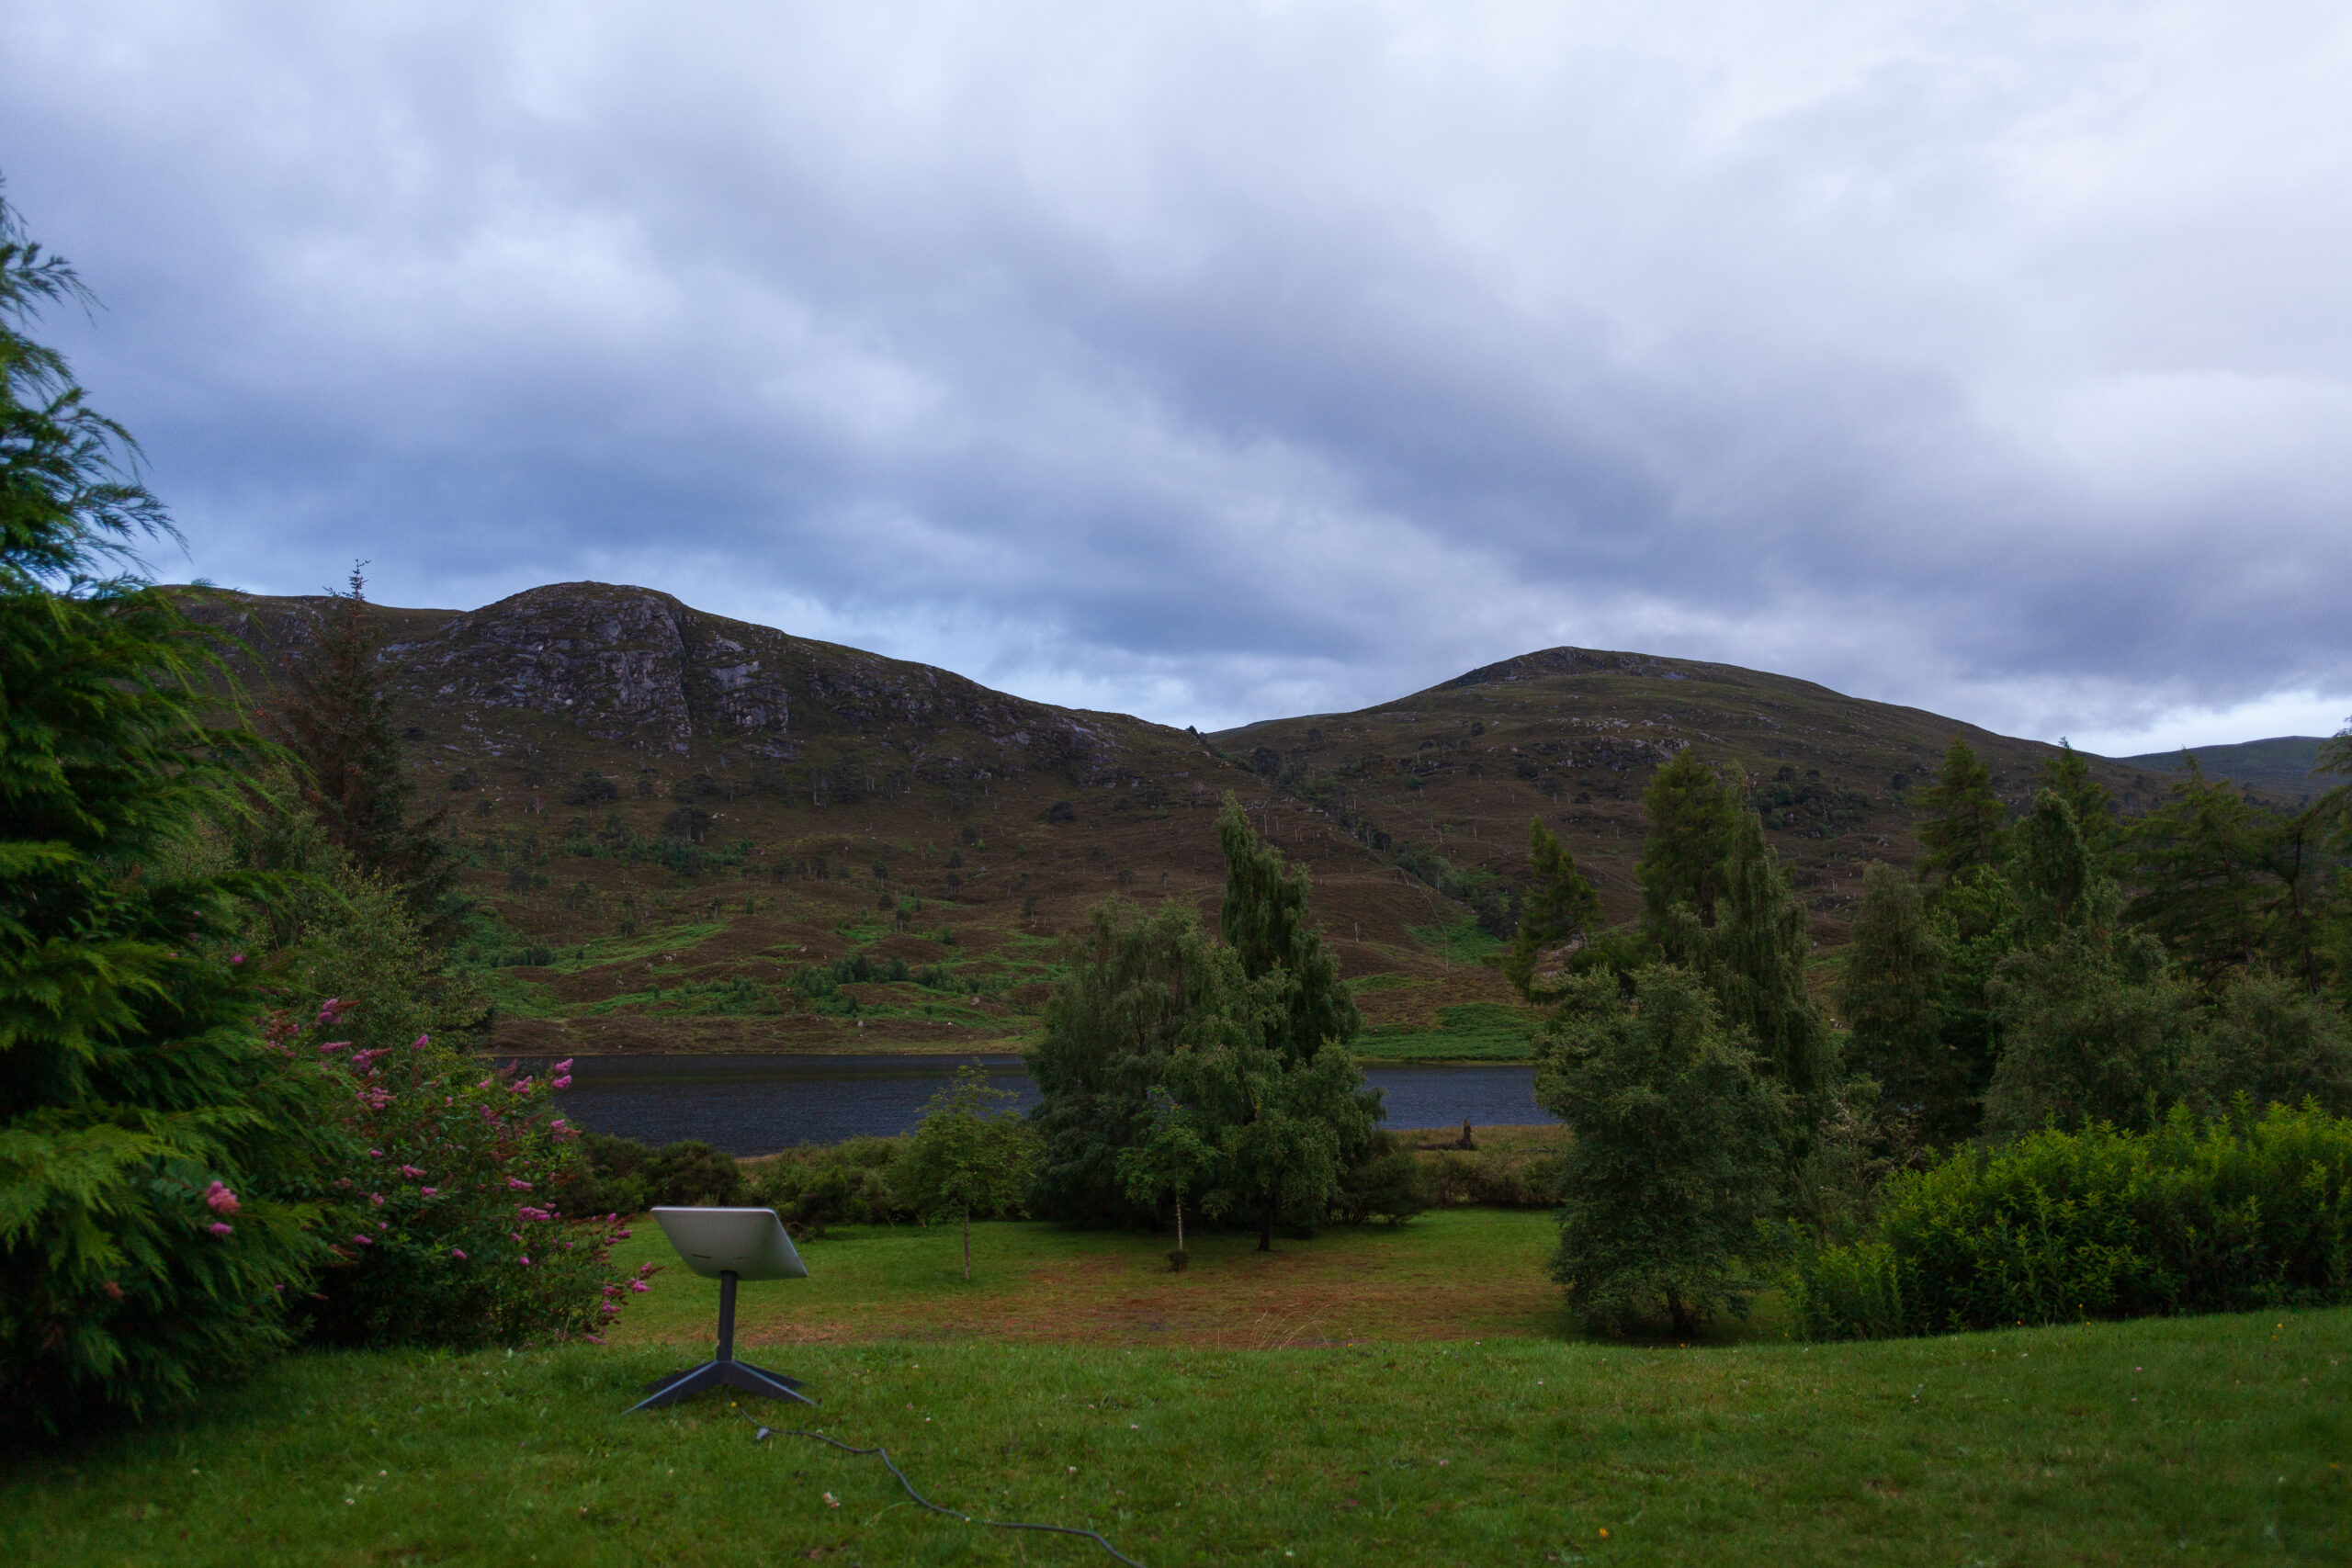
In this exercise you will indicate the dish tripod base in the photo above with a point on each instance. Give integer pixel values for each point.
(725, 1372)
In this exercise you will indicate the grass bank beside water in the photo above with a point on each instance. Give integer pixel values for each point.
(1428, 1408)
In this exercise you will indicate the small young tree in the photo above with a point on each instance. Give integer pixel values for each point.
(1172, 1160)
(1676, 1157)
(1962, 831)
(970, 1154)
(1560, 910)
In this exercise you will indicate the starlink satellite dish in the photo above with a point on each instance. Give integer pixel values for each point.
(728, 1244)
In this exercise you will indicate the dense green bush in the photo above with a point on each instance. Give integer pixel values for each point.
(817, 1186)
(1494, 1178)
(2191, 1216)
(1389, 1183)
(623, 1175)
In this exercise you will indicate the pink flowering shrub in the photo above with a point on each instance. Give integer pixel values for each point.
(440, 1241)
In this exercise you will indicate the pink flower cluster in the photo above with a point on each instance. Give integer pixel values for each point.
(219, 1199)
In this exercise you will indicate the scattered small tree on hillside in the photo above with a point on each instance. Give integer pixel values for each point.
(1676, 1155)
(970, 1154)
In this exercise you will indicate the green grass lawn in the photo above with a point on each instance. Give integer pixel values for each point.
(2218, 1439)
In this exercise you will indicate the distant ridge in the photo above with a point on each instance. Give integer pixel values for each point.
(2280, 766)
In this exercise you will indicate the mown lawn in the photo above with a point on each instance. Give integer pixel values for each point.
(1459, 1274)
(2218, 1440)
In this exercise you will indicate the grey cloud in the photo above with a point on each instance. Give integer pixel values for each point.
(1212, 362)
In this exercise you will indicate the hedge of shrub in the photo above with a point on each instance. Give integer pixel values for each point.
(2193, 1217)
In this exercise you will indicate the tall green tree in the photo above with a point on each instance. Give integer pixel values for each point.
(1756, 958)
(2094, 1024)
(1886, 991)
(2069, 776)
(2273, 1042)
(1137, 991)
(2225, 883)
(1686, 852)
(1289, 1110)
(1560, 910)
(1676, 1159)
(1265, 921)
(1964, 826)
(333, 717)
(969, 1154)
(149, 1141)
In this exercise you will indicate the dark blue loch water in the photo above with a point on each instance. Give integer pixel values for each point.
(755, 1105)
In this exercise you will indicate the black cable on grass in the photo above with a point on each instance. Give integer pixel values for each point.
(992, 1524)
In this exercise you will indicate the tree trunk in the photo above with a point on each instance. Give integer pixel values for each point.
(1180, 1222)
(1679, 1312)
(967, 1246)
(1266, 1206)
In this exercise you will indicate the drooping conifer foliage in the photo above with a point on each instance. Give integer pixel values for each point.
(149, 1136)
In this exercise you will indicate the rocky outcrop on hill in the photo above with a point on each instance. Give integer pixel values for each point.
(634, 667)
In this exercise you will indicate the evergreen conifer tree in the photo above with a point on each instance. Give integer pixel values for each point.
(2067, 776)
(1962, 831)
(151, 1143)
(1561, 909)
(2224, 883)
(332, 715)
(1687, 850)
(1265, 921)
(1756, 959)
(1292, 1111)
(1887, 992)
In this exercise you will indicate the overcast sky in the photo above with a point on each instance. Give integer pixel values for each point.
(1215, 362)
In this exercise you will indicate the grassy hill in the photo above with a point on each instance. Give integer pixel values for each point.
(1571, 735)
(2280, 767)
(697, 834)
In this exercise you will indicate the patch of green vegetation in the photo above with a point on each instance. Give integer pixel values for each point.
(1466, 1032)
(2197, 1439)
(734, 997)
(1461, 943)
(1387, 981)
